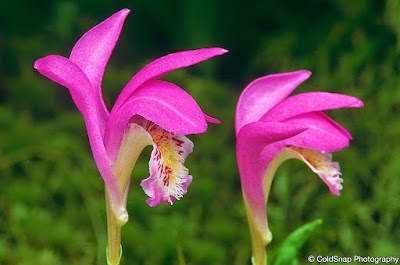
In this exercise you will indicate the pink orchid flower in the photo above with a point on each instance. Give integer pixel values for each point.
(147, 112)
(271, 128)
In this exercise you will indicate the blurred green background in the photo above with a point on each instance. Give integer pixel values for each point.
(52, 208)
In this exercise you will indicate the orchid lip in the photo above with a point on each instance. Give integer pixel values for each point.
(169, 178)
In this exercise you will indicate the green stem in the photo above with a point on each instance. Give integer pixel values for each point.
(114, 249)
(258, 244)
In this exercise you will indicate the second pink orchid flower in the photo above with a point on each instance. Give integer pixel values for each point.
(271, 128)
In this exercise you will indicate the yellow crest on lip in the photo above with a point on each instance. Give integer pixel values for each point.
(169, 177)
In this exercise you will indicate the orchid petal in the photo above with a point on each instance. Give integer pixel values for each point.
(211, 119)
(93, 50)
(322, 135)
(310, 102)
(163, 66)
(321, 121)
(264, 93)
(66, 73)
(161, 102)
(337, 126)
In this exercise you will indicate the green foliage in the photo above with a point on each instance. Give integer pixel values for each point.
(51, 195)
(287, 252)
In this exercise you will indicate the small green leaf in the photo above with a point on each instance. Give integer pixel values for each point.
(287, 252)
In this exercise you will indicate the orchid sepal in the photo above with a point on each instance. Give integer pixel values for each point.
(163, 66)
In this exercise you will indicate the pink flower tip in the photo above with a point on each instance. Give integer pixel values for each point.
(222, 50)
(125, 11)
(211, 119)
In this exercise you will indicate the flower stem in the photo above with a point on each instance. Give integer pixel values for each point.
(114, 249)
(259, 252)
(259, 240)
